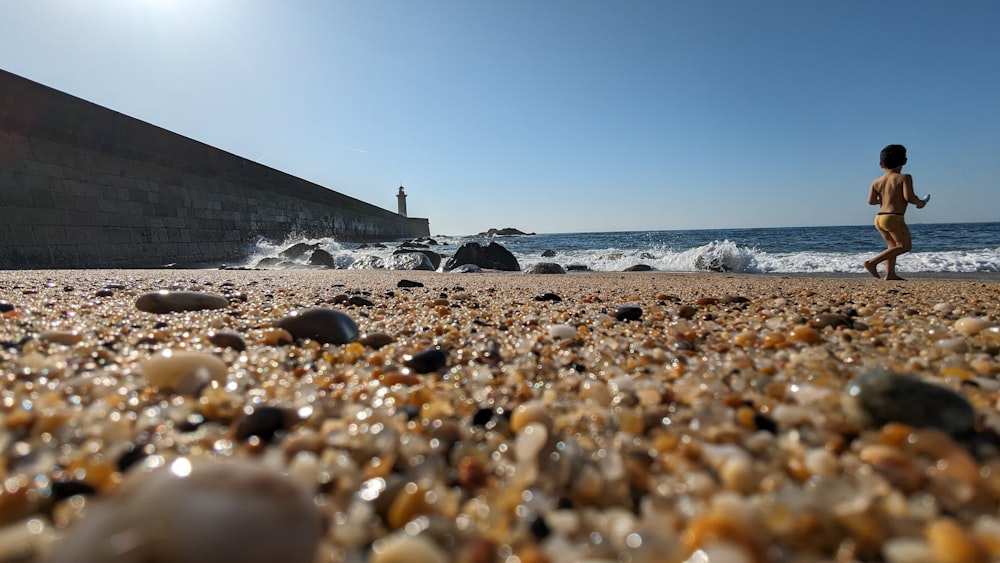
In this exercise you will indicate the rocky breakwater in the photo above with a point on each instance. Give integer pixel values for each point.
(333, 416)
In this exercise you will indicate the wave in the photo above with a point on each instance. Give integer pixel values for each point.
(715, 256)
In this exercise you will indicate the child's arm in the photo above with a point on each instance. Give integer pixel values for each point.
(908, 193)
(874, 198)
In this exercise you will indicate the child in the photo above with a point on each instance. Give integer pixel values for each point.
(891, 192)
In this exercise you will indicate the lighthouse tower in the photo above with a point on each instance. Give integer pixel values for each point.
(401, 201)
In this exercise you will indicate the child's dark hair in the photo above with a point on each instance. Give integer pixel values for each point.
(893, 156)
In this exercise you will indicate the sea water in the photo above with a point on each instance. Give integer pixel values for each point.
(937, 248)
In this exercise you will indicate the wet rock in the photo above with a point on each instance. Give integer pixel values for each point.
(164, 301)
(226, 339)
(878, 397)
(578, 268)
(548, 253)
(493, 256)
(104, 293)
(433, 257)
(426, 361)
(639, 268)
(325, 326)
(545, 268)
(409, 283)
(321, 257)
(627, 313)
(409, 261)
(297, 250)
(202, 511)
(368, 263)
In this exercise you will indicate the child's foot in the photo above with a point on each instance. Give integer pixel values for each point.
(871, 269)
(894, 278)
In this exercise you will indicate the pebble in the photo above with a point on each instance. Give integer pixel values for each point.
(878, 397)
(227, 339)
(409, 283)
(971, 326)
(198, 511)
(375, 340)
(426, 361)
(627, 313)
(165, 301)
(562, 331)
(182, 371)
(325, 326)
(403, 548)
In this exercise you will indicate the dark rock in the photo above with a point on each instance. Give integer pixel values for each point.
(263, 422)
(627, 313)
(320, 324)
(321, 257)
(829, 319)
(713, 264)
(227, 339)
(548, 297)
(360, 301)
(375, 340)
(426, 361)
(483, 417)
(409, 283)
(100, 293)
(545, 268)
(505, 232)
(467, 269)
(493, 256)
(6, 307)
(548, 253)
(733, 299)
(578, 268)
(639, 268)
(268, 262)
(176, 301)
(134, 454)
(878, 397)
(62, 490)
(297, 250)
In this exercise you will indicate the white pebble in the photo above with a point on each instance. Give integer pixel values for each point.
(563, 331)
(971, 326)
(184, 372)
(407, 549)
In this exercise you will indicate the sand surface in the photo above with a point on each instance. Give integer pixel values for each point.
(554, 429)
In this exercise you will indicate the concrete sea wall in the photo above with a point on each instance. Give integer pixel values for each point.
(83, 186)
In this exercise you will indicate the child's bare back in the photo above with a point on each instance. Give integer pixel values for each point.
(895, 189)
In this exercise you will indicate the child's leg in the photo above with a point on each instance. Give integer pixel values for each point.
(905, 242)
(890, 245)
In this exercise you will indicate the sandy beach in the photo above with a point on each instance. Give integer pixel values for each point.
(488, 417)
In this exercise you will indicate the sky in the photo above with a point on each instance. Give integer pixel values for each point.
(556, 116)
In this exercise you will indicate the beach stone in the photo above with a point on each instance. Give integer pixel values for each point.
(360, 301)
(548, 296)
(409, 261)
(409, 283)
(548, 253)
(6, 307)
(165, 301)
(578, 268)
(627, 313)
(467, 269)
(879, 397)
(426, 361)
(562, 331)
(545, 268)
(375, 340)
(639, 268)
(493, 256)
(830, 319)
(263, 422)
(400, 548)
(323, 325)
(196, 510)
(104, 292)
(971, 326)
(183, 371)
(227, 339)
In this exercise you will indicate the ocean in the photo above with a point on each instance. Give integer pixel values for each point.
(968, 248)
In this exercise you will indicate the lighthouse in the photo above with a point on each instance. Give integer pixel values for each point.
(401, 201)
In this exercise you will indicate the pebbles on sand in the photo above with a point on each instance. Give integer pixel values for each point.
(643, 418)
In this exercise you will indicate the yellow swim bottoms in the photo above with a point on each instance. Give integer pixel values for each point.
(889, 222)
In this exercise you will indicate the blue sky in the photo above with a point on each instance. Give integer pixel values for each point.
(556, 116)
